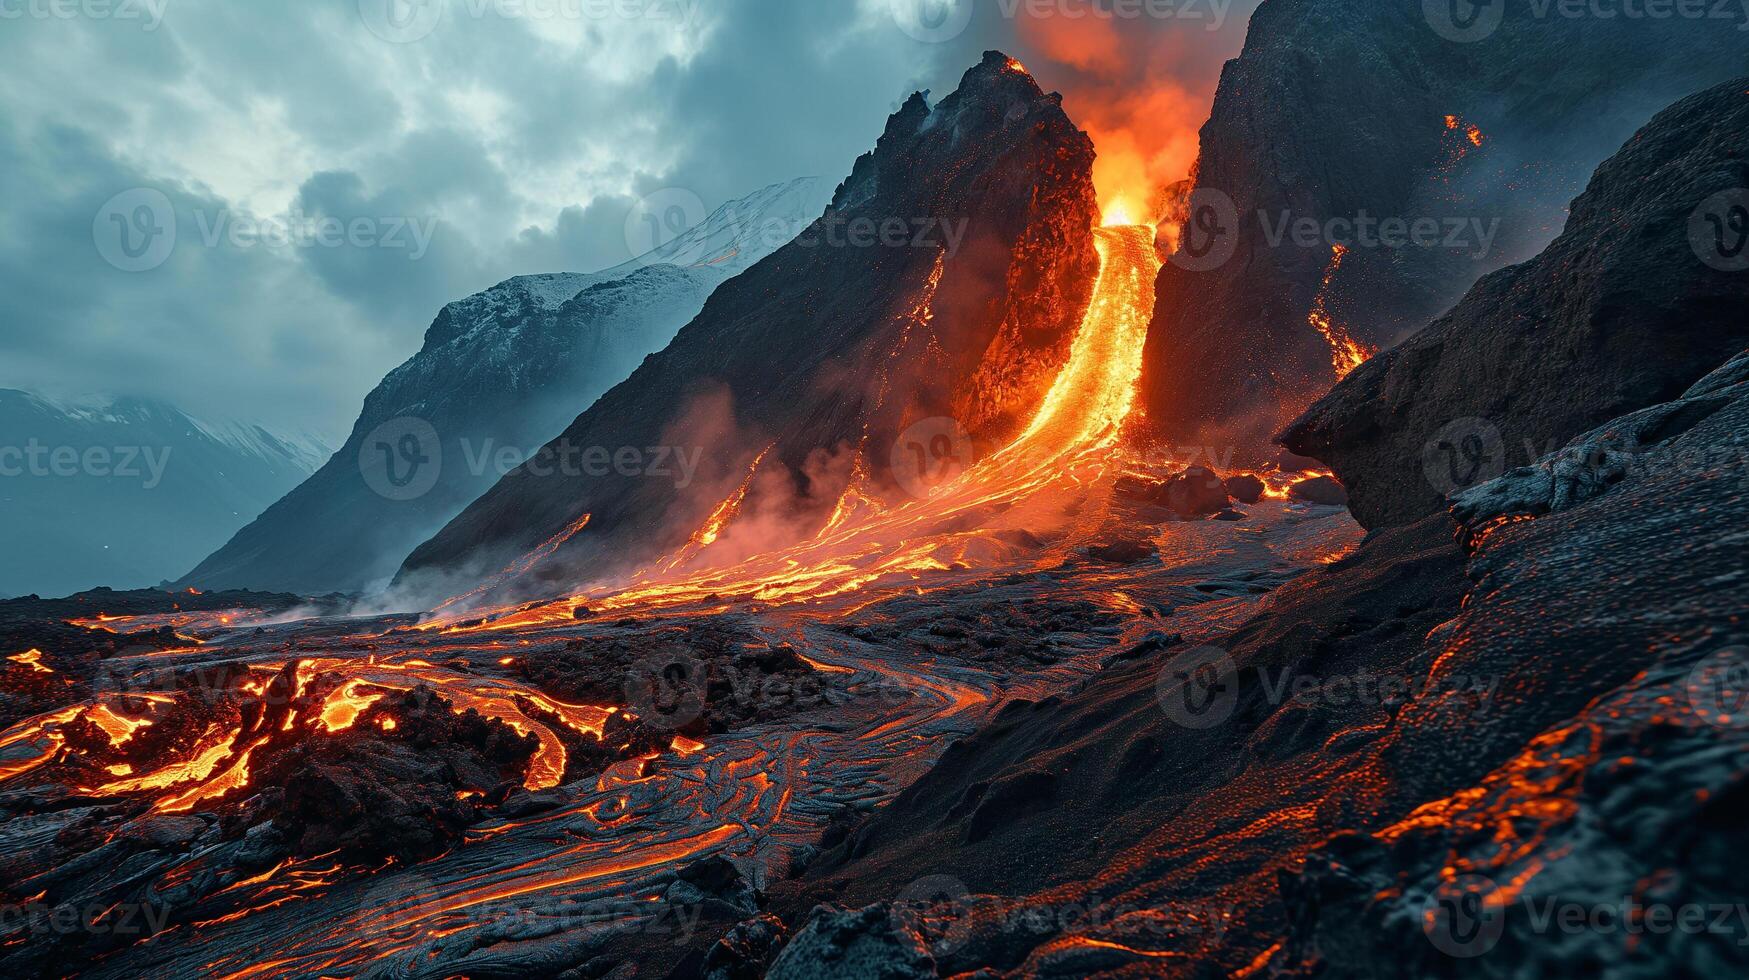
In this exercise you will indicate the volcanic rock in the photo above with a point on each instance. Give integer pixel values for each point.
(872, 943)
(374, 794)
(1126, 552)
(994, 185)
(1620, 313)
(1196, 492)
(1232, 354)
(1629, 722)
(1245, 488)
(746, 952)
(1319, 490)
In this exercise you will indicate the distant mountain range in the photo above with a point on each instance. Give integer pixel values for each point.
(500, 374)
(128, 492)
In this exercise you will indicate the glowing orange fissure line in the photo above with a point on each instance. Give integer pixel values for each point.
(1346, 353)
(1070, 440)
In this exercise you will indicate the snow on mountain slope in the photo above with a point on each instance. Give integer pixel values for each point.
(127, 492)
(501, 372)
(742, 232)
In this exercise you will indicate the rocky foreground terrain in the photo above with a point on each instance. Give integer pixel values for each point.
(1086, 713)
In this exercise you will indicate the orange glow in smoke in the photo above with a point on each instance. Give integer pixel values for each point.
(1142, 92)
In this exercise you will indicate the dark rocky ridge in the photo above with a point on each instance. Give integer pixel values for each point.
(1339, 108)
(1558, 672)
(828, 347)
(1621, 312)
(500, 371)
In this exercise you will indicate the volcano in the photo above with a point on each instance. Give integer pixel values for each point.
(961, 309)
(866, 628)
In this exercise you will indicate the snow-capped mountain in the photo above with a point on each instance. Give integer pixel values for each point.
(500, 373)
(127, 492)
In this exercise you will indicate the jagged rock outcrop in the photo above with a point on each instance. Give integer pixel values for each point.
(947, 279)
(500, 373)
(1613, 750)
(1626, 309)
(1357, 110)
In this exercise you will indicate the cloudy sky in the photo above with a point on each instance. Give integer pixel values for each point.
(339, 169)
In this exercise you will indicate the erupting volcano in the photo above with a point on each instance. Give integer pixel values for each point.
(1069, 453)
(945, 606)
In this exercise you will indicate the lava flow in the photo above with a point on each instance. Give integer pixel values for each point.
(1346, 353)
(1070, 444)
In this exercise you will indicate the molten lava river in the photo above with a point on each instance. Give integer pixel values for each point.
(893, 631)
